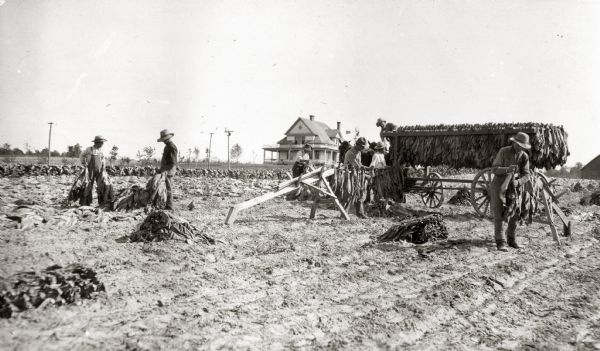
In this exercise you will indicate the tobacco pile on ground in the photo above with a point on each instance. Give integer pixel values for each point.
(461, 198)
(472, 150)
(161, 225)
(54, 285)
(417, 230)
(591, 199)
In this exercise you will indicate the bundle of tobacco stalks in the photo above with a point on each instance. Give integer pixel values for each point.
(417, 230)
(350, 184)
(161, 225)
(521, 201)
(79, 188)
(476, 145)
(154, 195)
(157, 190)
(461, 198)
(388, 183)
(130, 199)
(54, 285)
(303, 193)
(591, 199)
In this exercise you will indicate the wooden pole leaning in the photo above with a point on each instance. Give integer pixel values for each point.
(317, 176)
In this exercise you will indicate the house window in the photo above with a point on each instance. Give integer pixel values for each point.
(317, 155)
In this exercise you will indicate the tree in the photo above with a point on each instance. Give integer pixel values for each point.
(113, 153)
(236, 152)
(125, 160)
(145, 156)
(196, 153)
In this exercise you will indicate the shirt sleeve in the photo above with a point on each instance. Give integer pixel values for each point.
(173, 154)
(524, 171)
(499, 160)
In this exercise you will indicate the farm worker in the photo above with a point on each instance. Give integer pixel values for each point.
(168, 164)
(385, 127)
(93, 158)
(378, 160)
(352, 159)
(510, 160)
(302, 161)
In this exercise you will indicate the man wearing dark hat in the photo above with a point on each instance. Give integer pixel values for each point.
(93, 158)
(168, 164)
(510, 160)
(352, 159)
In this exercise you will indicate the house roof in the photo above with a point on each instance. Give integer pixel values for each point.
(321, 130)
(590, 165)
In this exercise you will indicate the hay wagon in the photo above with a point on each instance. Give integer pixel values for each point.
(475, 146)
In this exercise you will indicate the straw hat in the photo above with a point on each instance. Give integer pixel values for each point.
(522, 140)
(379, 146)
(98, 139)
(165, 135)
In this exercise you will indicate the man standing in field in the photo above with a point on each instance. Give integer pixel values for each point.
(168, 164)
(510, 160)
(352, 159)
(93, 158)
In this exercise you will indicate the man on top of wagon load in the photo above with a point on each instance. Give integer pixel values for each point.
(510, 160)
(352, 159)
(168, 164)
(385, 127)
(93, 158)
(302, 161)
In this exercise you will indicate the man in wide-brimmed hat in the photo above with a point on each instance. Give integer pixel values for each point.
(352, 159)
(168, 164)
(385, 127)
(93, 158)
(511, 163)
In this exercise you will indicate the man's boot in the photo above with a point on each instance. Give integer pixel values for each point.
(511, 234)
(360, 210)
(501, 245)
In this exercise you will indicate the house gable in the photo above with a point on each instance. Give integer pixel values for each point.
(593, 165)
(300, 128)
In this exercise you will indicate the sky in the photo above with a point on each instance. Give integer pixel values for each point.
(127, 69)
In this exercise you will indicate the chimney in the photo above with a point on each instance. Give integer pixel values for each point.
(312, 117)
(339, 127)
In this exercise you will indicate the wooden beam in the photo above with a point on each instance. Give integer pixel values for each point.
(336, 201)
(313, 208)
(291, 185)
(549, 212)
(416, 133)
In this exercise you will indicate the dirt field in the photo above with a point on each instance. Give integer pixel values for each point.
(277, 280)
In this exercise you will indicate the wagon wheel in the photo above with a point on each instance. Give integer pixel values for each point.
(480, 198)
(433, 197)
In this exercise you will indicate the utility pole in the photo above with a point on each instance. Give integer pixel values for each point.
(209, 146)
(49, 141)
(228, 132)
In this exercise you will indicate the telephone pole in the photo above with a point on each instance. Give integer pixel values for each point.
(49, 141)
(209, 146)
(228, 132)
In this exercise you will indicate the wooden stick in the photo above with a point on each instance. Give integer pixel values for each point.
(337, 202)
(550, 217)
(313, 208)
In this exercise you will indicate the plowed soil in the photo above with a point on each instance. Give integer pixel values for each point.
(277, 280)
